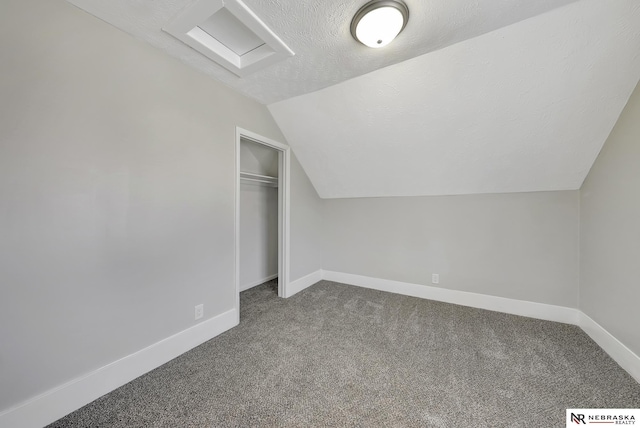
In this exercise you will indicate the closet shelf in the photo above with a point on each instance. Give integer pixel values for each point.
(251, 178)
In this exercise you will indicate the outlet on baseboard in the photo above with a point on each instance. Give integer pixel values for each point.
(199, 311)
(435, 278)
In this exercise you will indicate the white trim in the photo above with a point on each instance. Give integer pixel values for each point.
(465, 298)
(58, 402)
(245, 287)
(622, 355)
(236, 225)
(284, 206)
(305, 282)
(285, 221)
(62, 400)
(185, 28)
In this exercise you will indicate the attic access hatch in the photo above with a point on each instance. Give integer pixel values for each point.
(229, 33)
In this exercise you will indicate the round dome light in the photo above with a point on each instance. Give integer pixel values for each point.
(378, 22)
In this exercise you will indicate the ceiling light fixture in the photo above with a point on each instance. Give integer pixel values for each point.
(378, 22)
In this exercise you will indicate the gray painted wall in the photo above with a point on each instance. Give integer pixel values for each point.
(258, 159)
(117, 195)
(306, 224)
(258, 234)
(116, 183)
(520, 245)
(610, 232)
(258, 216)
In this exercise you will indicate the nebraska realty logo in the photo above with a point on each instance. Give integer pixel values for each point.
(602, 416)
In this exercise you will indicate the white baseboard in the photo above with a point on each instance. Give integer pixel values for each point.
(464, 298)
(258, 282)
(626, 358)
(306, 281)
(622, 355)
(58, 402)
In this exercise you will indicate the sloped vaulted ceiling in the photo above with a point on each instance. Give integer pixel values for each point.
(524, 108)
(473, 97)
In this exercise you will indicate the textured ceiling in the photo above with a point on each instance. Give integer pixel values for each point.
(473, 97)
(524, 108)
(318, 32)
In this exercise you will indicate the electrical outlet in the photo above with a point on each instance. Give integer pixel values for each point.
(435, 278)
(199, 311)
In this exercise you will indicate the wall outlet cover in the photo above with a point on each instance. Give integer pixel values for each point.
(199, 311)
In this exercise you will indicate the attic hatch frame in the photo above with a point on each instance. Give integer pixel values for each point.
(186, 27)
(284, 206)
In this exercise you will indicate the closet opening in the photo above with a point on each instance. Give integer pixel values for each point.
(262, 213)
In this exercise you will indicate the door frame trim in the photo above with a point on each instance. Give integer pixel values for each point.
(284, 205)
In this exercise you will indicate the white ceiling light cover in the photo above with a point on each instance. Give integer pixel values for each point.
(378, 23)
(524, 108)
(319, 33)
(229, 33)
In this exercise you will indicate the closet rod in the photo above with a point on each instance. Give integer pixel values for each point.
(257, 178)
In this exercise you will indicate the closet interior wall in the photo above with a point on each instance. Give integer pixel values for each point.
(258, 214)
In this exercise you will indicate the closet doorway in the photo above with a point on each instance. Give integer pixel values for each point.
(262, 212)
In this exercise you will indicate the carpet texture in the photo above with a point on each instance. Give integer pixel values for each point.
(338, 355)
